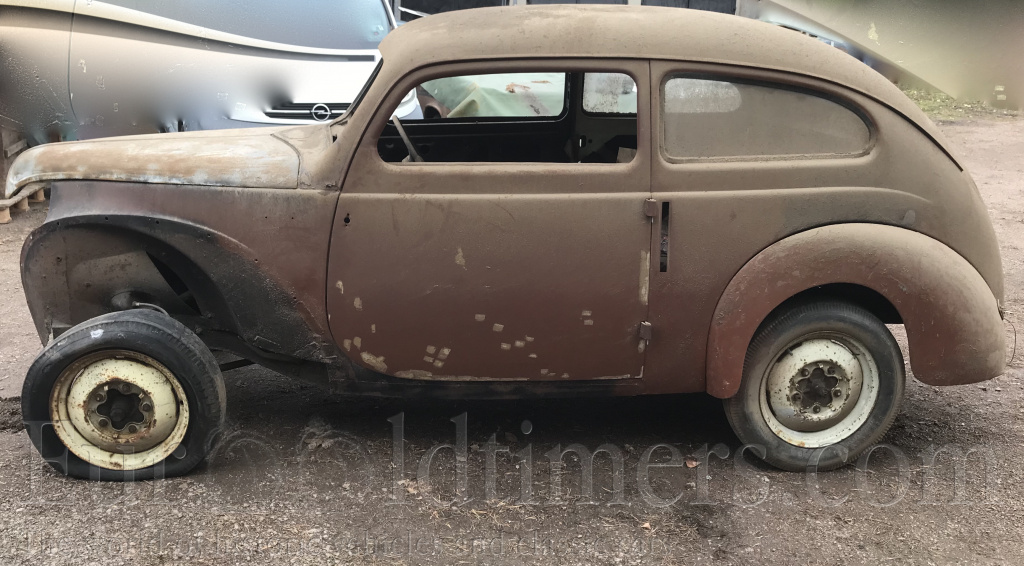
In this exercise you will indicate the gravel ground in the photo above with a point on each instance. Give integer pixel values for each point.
(304, 478)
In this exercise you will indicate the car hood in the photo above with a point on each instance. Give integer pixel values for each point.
(263, 158)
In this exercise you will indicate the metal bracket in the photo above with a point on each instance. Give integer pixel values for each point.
(15, 148)
(650, 208)
(645, 330)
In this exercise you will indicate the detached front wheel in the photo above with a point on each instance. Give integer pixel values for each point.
(822, 383)
(124, 396)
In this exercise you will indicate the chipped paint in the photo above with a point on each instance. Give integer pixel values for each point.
(534, 356)
(413, 374)
(460, 259)
(340, 286)
(438, 364)
(347, 344)
(373, 329)
(543, 372)
(506, 346)
(565, 376)
(498, 327)
(375, 362)
(358, 342)
(443, 354)
(480, 317)
(520, 343)
(586, 313)
(588, 322)
(426, 375)
(358, 304)
(431, 350)
(529, 338)
(428, 359)
(645, 275)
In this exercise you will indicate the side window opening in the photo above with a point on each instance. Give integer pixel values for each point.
(707, 118)
(538, 117)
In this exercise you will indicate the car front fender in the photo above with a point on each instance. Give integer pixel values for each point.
(952, 320)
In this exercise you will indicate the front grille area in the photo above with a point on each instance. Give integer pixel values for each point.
(304, 111)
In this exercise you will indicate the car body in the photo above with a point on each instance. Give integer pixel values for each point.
(82, 70)
(569, 250)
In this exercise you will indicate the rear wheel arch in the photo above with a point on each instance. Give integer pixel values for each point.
(898, 275)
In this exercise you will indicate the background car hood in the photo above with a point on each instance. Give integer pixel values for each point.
(266, 158)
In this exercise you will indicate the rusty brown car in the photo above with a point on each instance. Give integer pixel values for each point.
(602, 201)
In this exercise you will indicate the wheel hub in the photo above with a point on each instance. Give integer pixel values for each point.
(121, 406)
(814, 385)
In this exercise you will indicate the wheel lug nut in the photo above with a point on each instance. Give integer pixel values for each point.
(99, 397)
(837, 392)
(132, 429)
(125, 388)
(103, 423)
(830, 370)
(146, 407)
(804, 372)
(795, 397)
(816, 408)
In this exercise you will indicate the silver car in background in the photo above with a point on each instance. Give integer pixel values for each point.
(81, 69)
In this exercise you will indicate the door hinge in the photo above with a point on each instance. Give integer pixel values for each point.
(645, 330)
(650, 208)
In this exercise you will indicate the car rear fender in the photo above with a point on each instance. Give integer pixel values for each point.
(952, 320)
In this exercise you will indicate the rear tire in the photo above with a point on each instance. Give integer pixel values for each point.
(125, 396)
(822, 382)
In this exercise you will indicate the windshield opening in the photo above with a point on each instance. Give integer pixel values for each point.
(362, 93)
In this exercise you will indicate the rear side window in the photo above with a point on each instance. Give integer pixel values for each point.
(718, 119)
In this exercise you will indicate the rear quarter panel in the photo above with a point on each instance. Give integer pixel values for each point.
(725, 213)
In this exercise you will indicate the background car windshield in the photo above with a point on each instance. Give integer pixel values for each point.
(348, 24)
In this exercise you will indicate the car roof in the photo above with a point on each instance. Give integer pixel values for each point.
(642, 32)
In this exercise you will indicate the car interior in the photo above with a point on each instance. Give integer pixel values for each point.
(580, 133)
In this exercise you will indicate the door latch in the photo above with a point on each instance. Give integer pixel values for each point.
(645, 330)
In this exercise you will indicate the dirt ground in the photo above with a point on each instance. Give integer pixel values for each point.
(304, 478)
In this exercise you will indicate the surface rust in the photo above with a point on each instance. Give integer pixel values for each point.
(308, 252)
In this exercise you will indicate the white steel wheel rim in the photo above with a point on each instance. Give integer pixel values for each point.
(92, 394)
(792, 392)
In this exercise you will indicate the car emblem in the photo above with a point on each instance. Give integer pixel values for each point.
(321, 113)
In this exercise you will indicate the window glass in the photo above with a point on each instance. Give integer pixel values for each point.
(609, 93)
(352, 24)
(504, 95)
(524, 117)
(719, 119)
